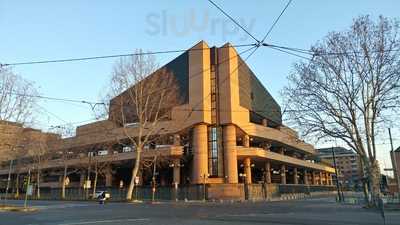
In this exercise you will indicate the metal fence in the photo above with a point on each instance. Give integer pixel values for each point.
(254, 192)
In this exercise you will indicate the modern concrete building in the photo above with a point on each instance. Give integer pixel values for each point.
(348, 164)
(224, 130)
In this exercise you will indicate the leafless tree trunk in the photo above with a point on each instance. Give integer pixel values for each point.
(350, 88)
(146, 98)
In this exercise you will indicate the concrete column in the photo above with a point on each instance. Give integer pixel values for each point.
(246, 141)
(267, 172)
(140, 175)
(305, 177)
(283, 174)
(247, 169)
(109, 176)
(177, 140)
(295, 178)
(176, 171)
(313, 178)
(200, 153)
(82, 179)
(321, 180)
(281, 151)
(330, 179)
(230, 156)
(326, 179)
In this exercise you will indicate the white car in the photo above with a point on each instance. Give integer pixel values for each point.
(99, 193)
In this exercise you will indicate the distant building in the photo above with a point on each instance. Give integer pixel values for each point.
(348, 164)
(396, 167)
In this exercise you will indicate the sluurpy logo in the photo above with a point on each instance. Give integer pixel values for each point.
(192, 21)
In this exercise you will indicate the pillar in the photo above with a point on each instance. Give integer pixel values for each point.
(82, 179)
(246, 141)
(176, 171)
(230, 157)
(321, 180)
(295, 178)
(330, 179)
(305, 177)
(283, 174)
(313, 178)
(140, 176)
(177, 140)
(267, 172)
(247, 170)
(281, 151)
(109, 176)
(200, 153)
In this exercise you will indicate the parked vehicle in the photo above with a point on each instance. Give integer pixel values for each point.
(99, 194)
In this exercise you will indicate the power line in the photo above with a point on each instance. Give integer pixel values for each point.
(56, 99)
(94, 104)
(276, 21)
(109, 56)
(316, 53)
(290, 53)
(233, 20)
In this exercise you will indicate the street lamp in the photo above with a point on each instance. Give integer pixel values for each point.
(336, 174)
(178, 165)
(205, 176)
(243, 176)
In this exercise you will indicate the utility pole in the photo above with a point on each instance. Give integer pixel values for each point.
(8, 181)
(336, 174)
(28, 188)
(153, 179)
(394, 164)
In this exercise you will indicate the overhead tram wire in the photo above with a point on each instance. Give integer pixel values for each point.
(56, 99)
(315, 53)
(193, 109)
(234, 21)
(276, 21)
(291, 53)
(109, 56)
(94, 104)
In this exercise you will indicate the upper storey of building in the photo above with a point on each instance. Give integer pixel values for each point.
(19, 141)
(209, 85)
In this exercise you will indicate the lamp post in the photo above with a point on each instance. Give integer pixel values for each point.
(243, 176)
(205, 176)
(153, 179)
(336, 174)
(28, 188)
(8, 181)
(176, 183)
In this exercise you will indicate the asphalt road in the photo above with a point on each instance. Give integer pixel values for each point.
(305, 212)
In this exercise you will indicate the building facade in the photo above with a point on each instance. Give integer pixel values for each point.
(224, 130)
(348, 165)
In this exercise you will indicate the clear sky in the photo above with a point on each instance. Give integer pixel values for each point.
(41, 30)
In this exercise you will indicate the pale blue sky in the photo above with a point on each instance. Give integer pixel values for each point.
(40, 30)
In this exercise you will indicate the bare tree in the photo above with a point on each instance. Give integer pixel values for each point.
(144, 97)
(16, 97)
(39, 148)
(64, 155)
(349, 89)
